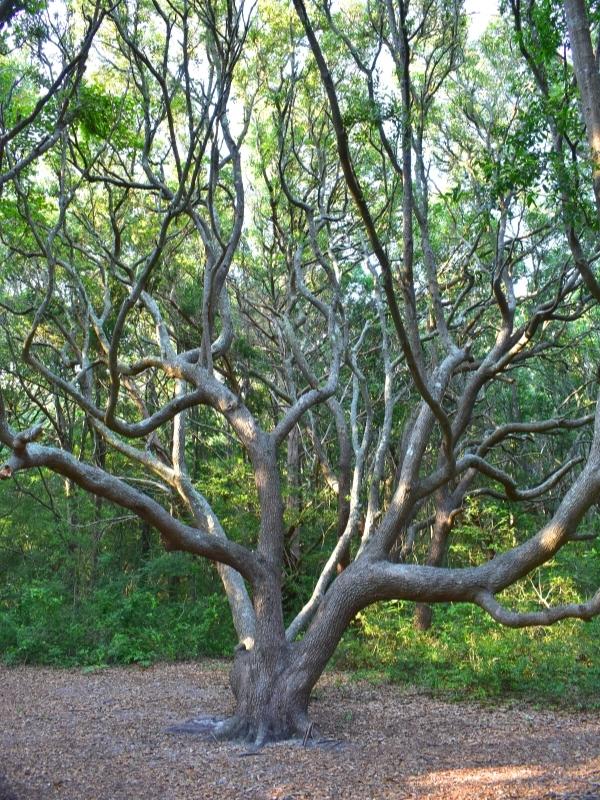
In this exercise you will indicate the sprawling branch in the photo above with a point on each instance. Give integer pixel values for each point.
(63, 88)
(375, 241)
(96, 481)
(546, 616)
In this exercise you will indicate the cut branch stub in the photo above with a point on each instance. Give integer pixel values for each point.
(18, 444)
(21, 440)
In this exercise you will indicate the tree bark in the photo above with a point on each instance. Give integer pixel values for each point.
(588, 81)
(293, 498)
(271, 697)
(437, 553)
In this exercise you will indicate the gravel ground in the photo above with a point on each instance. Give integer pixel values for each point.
(102, 736)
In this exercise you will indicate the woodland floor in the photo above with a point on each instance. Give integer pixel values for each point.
(75, 736)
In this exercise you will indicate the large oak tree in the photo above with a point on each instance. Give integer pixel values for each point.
(348, 236)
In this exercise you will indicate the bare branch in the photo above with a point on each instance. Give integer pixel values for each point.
(547, 616)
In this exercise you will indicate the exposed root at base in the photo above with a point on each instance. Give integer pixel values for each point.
(238, 729)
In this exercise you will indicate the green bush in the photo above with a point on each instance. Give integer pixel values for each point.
(466, 654)
(43, 626)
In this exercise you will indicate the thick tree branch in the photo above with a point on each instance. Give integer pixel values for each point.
(96, 481)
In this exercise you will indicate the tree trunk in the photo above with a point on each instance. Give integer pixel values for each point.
(293, 498)
(588, 80)
(437, 553)
(271, 697)
(100, 450)
(423, 617)
(344, 487)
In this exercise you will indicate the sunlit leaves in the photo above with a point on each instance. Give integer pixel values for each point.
(105, 116)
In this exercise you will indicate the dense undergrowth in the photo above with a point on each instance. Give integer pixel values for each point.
(68, 599)
(465, 655)
(141, 619)
(138, 619)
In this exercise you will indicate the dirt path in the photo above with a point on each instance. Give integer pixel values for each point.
(74, 736)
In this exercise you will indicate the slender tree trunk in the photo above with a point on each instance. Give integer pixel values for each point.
(344, 488)
(588, 80)
(293, 498)
(98, 529)
(145, 538)
(437, 553)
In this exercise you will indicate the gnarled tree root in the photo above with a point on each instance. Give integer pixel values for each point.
(256, 734)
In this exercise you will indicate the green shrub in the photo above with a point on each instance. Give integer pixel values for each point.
(112, 626)
(466, 654)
